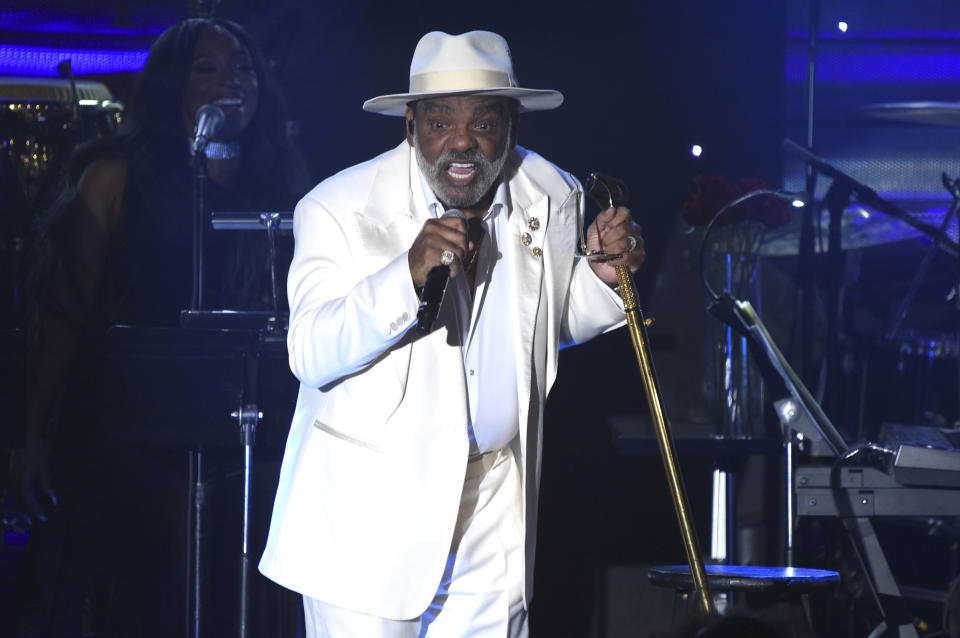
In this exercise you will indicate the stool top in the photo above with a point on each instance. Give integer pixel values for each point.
(746, 578)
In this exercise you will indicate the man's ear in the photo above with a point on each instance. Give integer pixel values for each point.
(410, 126)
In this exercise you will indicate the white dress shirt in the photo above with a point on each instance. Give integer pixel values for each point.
(479, 319)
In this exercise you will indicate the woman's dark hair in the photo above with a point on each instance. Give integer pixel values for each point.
(155, 145)
(154, 114)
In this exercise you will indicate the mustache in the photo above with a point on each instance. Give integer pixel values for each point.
(472, 155)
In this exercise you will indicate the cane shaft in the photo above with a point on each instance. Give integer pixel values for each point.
(635, 324)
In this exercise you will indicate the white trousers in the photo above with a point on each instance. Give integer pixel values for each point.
(481, 592)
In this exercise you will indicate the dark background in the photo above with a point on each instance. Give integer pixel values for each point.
(643, 81)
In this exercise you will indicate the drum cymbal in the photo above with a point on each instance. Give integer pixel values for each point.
(861, 227)
(50, 90)
(933, 113)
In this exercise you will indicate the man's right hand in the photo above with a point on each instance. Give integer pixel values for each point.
(437, 235)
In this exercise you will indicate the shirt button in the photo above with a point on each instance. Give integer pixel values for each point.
(471, 373)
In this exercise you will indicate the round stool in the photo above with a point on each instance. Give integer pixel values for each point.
(759, 583)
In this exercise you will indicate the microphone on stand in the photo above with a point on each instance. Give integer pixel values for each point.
(209, 119)
(434, 288)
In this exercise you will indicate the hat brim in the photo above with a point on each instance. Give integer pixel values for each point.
(529, 99)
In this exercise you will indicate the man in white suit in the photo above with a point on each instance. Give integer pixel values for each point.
(408, 495)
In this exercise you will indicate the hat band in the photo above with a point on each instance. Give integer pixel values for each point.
(439, 81)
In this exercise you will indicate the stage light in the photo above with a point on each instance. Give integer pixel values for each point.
(842, 26)
(696, 150)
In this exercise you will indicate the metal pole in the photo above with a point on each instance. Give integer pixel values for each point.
(199, 496)
(245, 550)
(247, 416)
(806, 270)
(272, 222)
(788, 460)
(200, 175)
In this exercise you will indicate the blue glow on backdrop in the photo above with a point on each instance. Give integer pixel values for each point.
(869, 67)
(43, 61)
(37, 21)
(892, 36)
(33, 41)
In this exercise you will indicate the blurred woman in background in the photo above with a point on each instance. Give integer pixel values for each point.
(116, 248)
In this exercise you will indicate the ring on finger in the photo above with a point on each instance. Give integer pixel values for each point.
(447, 257)
(631, 243)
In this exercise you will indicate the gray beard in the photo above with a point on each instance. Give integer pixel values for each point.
(461, 196)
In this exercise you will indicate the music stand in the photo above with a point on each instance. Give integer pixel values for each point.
(214, 376)
(263, 328)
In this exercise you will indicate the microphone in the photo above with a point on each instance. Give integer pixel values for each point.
(209, 120)
(434, 288)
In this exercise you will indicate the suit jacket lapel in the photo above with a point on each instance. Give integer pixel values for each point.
(528, 224)
(388, 223)
(387, 226)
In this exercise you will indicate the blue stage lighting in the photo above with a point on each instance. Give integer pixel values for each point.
(920, 66)
(43, 61)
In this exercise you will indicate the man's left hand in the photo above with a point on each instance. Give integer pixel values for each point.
(615, 232)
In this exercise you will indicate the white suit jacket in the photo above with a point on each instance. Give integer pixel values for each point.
(375, 458)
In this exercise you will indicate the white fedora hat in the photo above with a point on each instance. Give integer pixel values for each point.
(474, 63)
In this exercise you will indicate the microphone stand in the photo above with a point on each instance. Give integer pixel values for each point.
(806, 260)
(837, 200)
(801, 412)
(272, 222)
(66, 68)
(848, 186)
(868, 196)
(200, 176)
(953, 187)
(269, 328)
(197, 487)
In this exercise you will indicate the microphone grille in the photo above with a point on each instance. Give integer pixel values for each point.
(455, 212)
(213, 113)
